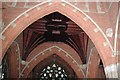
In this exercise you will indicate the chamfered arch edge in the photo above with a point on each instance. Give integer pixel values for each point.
(67, 13)
(49, 50)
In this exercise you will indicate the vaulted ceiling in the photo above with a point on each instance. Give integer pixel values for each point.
(55, 27)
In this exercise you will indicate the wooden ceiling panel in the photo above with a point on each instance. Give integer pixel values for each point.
(34, 35)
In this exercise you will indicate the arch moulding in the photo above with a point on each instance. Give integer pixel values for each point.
(33, 14)
(47, 49)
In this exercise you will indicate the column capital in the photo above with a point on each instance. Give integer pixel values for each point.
(111, 71)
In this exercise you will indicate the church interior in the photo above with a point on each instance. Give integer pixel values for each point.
(59, 39)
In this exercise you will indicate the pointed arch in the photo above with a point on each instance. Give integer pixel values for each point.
(33, 14)
(45, 50)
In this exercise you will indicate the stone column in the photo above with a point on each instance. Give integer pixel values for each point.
(13, 62)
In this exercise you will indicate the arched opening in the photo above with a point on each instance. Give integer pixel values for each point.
(36, 39)
(45, 50)
(56, 29)
(53, 67)
(78, 17)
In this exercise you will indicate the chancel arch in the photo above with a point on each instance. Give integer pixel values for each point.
(67, 10)
(66, 53)
(31, 21)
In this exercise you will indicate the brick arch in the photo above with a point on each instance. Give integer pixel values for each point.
(47, 49)
(30, 16)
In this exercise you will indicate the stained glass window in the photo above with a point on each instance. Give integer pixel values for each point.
(53, 71)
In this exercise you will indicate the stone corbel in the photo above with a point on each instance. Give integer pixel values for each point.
(24, 62)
